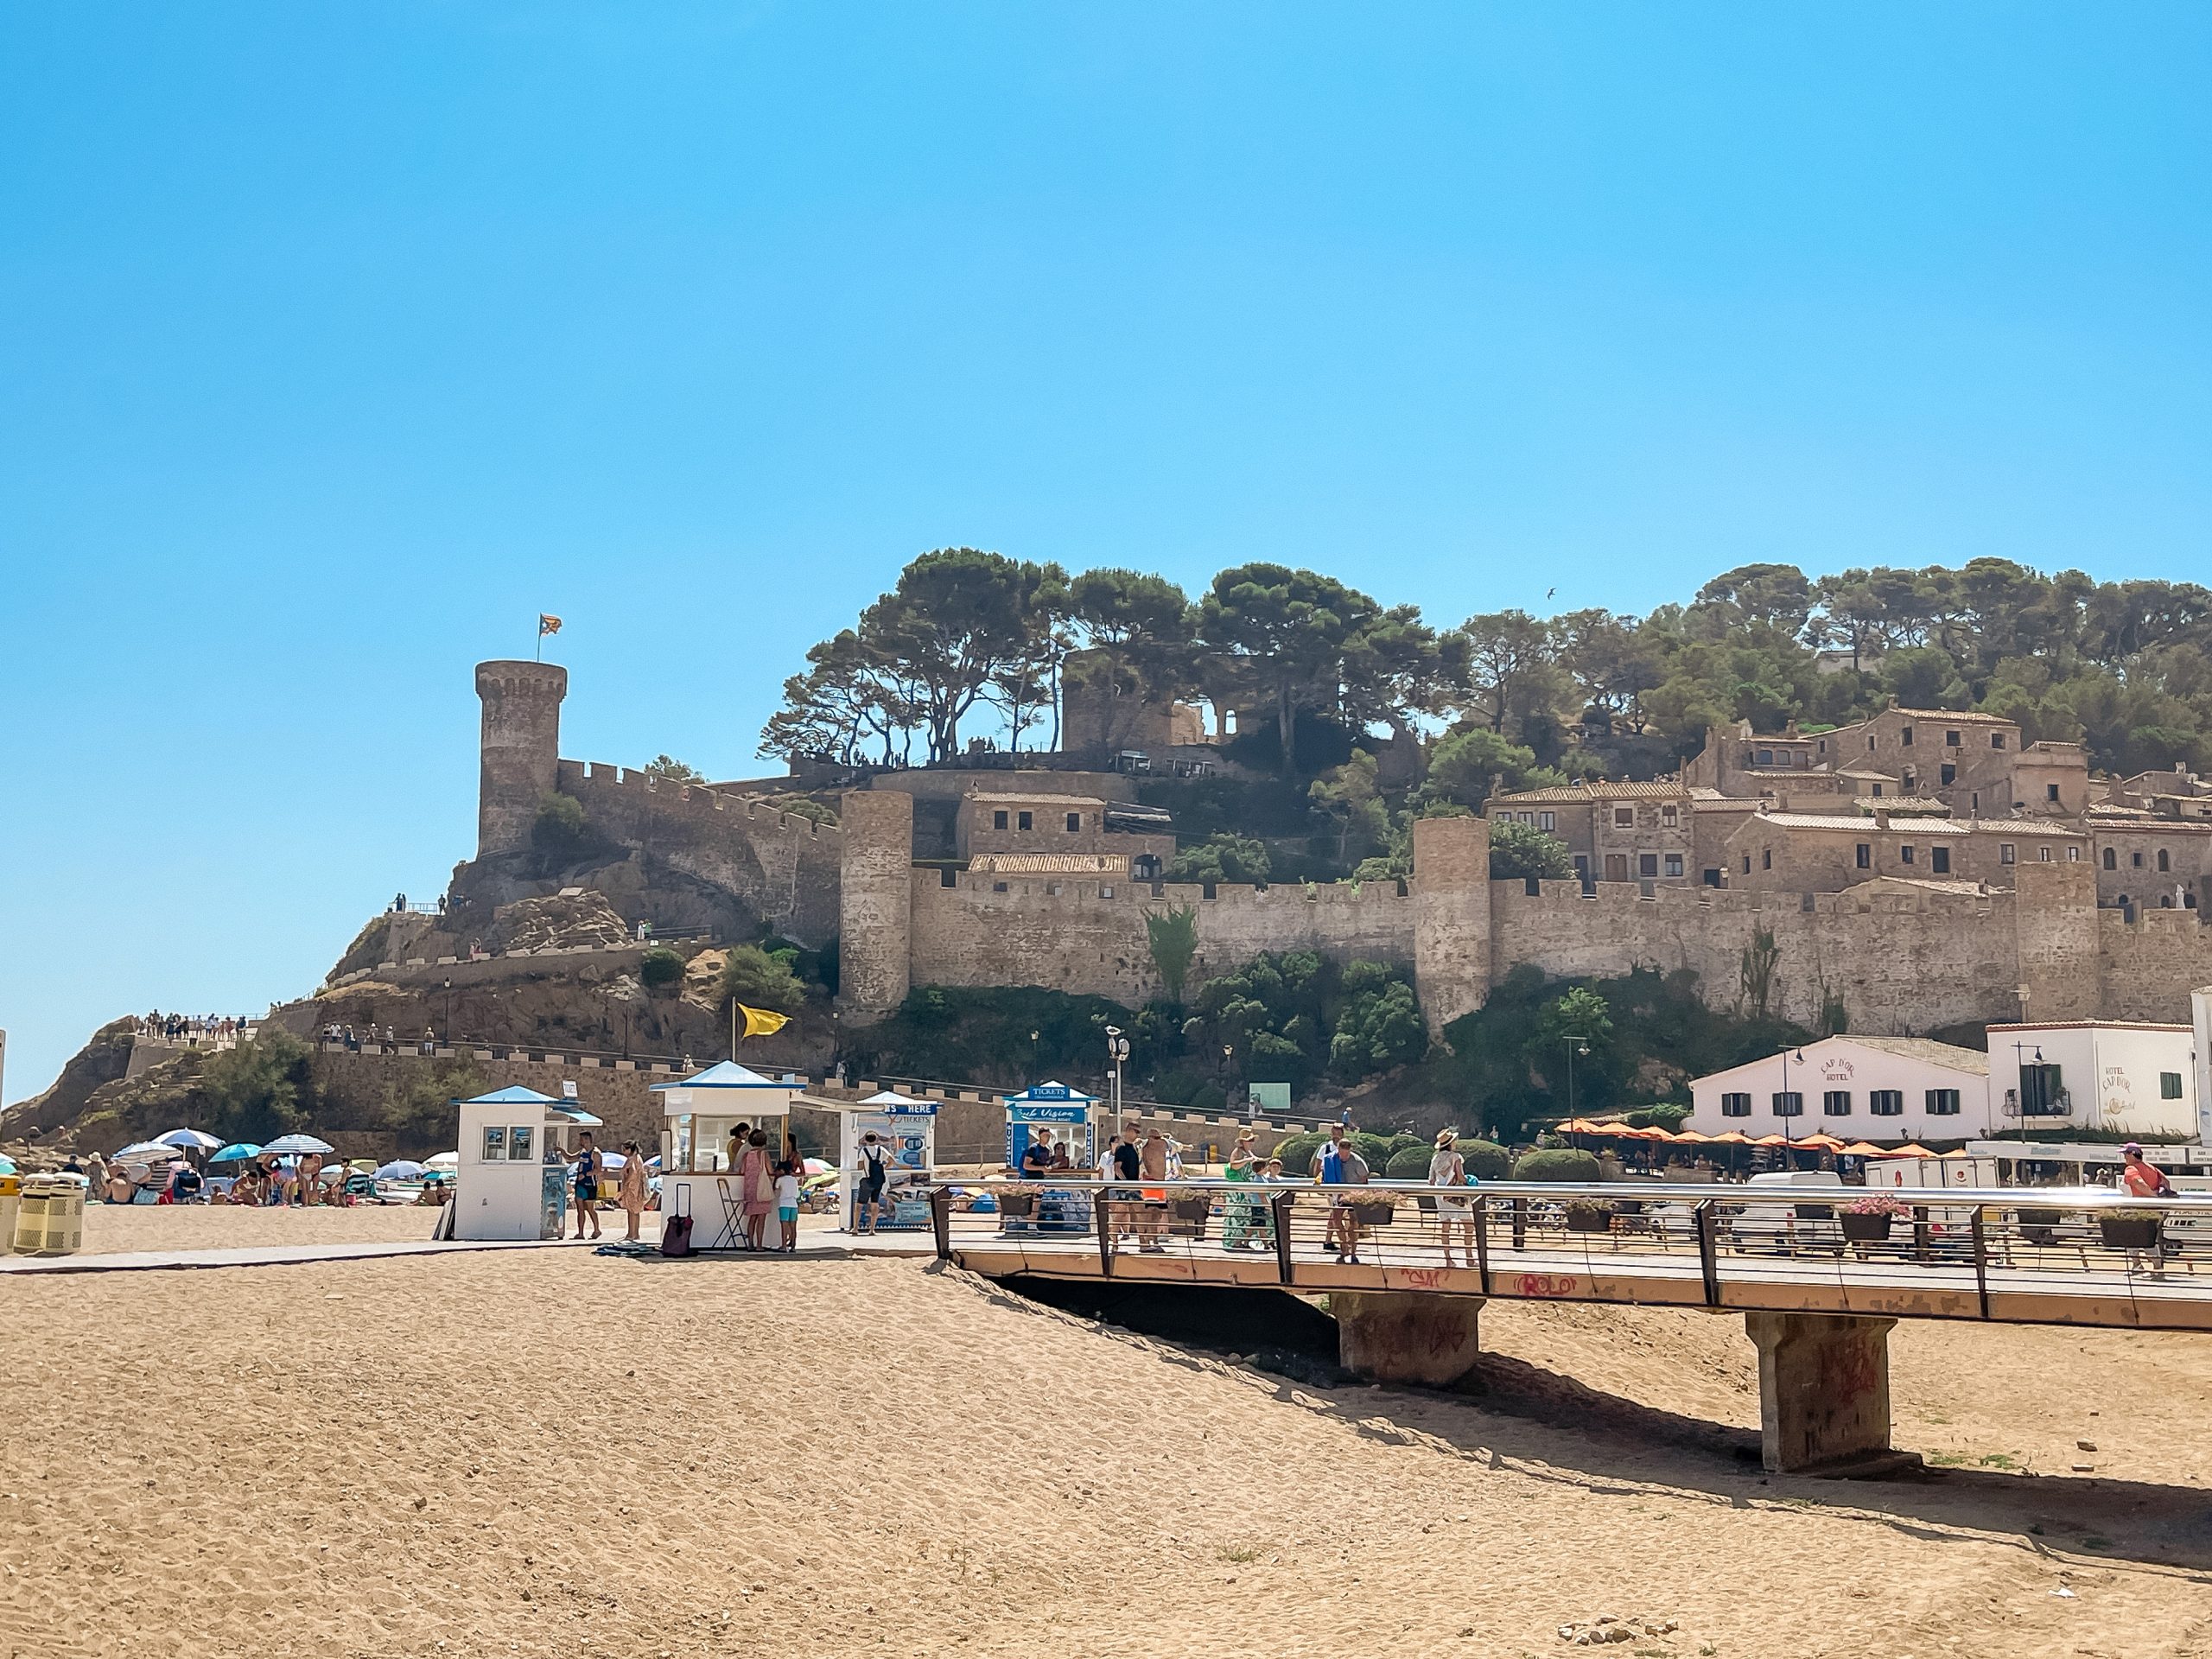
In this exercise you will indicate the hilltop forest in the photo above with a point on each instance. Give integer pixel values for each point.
(970, 639)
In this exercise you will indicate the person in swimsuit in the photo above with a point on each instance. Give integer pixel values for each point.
(584, 1173)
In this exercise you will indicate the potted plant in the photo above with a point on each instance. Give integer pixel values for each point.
(2130, 1230)
(1866, 1221)
(1014, 1201)
(1589, 1215)
(1191, 1206)
(1375, 1211)
(2040, 1226)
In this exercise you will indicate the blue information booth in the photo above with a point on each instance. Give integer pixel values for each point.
(1066, 1120)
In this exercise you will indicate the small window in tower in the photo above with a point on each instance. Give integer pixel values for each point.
(1647, 864)
(1547, 820)
(1075, 821)
(1939, 859)
(998, 820)
(1996, 739)
(2135, 860)
(1863, 856)
(2050, 792)
(1950, 774)
(2112, 858)
(1904, 736)
(2007, 853)
(1904, 853)
(2163, 862)
(1674, 863)
(1624, 817)
(1025, 821)
(1951, 740)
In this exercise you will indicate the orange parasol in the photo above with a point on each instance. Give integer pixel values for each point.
(1731, 1138)
(1911, 1149)
(1825, 1142)
(1863, 1149)
(1771, 1141)
(1691, 1138)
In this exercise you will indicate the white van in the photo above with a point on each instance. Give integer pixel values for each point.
(1811, 1224)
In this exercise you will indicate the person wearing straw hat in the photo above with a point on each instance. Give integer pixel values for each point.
(1448, 1167)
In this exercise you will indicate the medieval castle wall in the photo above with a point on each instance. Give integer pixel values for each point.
(784, 867)
(1897, 960)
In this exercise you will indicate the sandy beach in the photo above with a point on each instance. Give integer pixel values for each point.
(551, 1453)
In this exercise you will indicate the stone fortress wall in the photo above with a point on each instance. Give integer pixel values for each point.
(784, 868)
(1900, 958)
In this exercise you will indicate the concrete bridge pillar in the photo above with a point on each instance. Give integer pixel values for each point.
(1406, 1336)
(1824, 1391)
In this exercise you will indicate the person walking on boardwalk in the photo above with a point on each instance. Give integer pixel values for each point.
(1236, 1218)
(1449, 1168)
(1356, 1173)
(2144, 1180)
(1329, 1170)
(1152, 1159)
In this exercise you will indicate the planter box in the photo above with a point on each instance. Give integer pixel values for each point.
(1589, 1220)
(1865, 1229)
(1016, 1205)
(2125, 1233)
(1373, 1215)
(1191, 1209)
(2040, 1226)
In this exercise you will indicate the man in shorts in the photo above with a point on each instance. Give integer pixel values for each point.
(584, 1172)
(2144, 1179)
(1152, 1222)
(873, 1172)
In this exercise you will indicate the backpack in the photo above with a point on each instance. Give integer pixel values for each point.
(675, 1229)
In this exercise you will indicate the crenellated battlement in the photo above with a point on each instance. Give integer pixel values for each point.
(596, 781)
(1092, 887)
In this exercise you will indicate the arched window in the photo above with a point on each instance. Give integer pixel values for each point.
(2165, 863)
(2112, 858)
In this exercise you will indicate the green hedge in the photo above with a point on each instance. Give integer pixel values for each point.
(1409, 1163)
(1297, 1151)
(1557, 1164)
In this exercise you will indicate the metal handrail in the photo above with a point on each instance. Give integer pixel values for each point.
(2028, 1198)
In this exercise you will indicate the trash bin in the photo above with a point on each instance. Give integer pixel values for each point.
(10, 1197)
(50, 1215)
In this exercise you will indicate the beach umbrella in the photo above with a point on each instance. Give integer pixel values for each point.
(1692, 1138)
(1825, 1142)
(236, 1152)
(189, 1139)
(817, 1166)
(402, 1169)
(446, 1160)
(7, 1166)
(1865, 1149)
(612, 1160)
(153, 1150)
(298, 1143)
(1911, 1149)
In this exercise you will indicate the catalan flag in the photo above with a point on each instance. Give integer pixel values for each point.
(547, 625)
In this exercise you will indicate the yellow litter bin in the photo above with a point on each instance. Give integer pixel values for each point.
(50, 1215)
(10, 1196)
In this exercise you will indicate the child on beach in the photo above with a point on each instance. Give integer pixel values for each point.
(787, 1206)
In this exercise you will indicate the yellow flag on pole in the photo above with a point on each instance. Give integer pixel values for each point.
(762, 1022)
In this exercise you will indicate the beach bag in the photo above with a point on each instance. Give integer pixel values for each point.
(676, 1229)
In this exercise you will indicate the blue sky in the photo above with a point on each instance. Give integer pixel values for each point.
(340, 339)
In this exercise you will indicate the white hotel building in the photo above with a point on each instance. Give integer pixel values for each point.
(1878, 1089)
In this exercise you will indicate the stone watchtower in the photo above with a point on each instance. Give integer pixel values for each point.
(1451, 894)
(875, 900)
(521, 749)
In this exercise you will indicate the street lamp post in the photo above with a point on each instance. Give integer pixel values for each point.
(1117, 1051)
(448, 1021)
(1784, 1101)
(1574, 1045)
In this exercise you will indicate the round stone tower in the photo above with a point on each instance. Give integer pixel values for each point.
(521, 749)
(876, 888)
(1451, 894)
